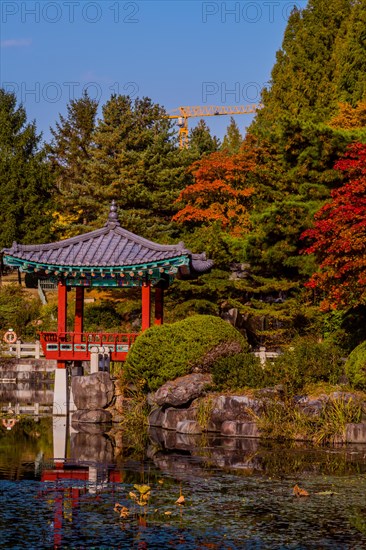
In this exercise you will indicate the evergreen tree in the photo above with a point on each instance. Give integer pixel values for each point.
(69, 153)
(304, 72)
(136, 160)
(233, 138)
(201, 141)
(350, 56)
(25, 181)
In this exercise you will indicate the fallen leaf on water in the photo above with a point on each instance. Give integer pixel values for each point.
(180, 500)
(161, 481)
(167, 513)
(141, 502)
(298, 492)
(124, 512)
(133, 495)
(142, 489)
(116, 506)
(326, 493)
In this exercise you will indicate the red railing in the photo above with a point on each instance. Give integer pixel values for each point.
(71, 346)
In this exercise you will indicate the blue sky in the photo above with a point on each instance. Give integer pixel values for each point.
(178, 53)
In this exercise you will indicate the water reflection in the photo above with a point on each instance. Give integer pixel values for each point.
(26, 397)
(238, 492)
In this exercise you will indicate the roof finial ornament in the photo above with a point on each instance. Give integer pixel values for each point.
(113, 216)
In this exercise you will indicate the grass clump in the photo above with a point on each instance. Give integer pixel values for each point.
(282, 421)
(166, 352)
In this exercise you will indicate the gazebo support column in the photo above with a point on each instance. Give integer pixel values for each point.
(79, 313)
(159, 305)
(146, 305)
(60, 393)
(78, 325)
(62, 314)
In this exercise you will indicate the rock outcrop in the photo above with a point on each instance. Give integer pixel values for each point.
(181, 391)
(92, 395)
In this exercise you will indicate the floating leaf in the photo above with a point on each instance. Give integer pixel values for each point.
(326, 493)
(133, 495)
(181, 500)
(124, 512)
(116, 506)
(167, 513)
(298, 492)
(141, 502)
(142, 489)
(161, 481)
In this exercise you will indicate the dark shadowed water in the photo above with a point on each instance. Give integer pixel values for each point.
(60, 491)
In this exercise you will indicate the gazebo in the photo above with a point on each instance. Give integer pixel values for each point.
(110, 257)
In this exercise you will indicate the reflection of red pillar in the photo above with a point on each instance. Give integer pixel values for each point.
(62, 314)
(159, 306)
(57, 522)
(79, 313)
(146, 305)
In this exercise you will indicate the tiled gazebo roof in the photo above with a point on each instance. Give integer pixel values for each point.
(107, 252)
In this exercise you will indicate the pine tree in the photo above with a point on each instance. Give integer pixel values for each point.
(304, 72)
(201, 141)
(69, 154)
(136, 160)
(233, 138)
(25, 181)
(350, 56)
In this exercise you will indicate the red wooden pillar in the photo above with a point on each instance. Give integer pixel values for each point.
(62, 315)
(159, 305)
(146, 305)
(79, 313)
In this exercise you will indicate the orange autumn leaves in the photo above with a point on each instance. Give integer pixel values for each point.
(220, 192)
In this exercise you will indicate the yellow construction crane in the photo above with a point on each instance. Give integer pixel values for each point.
(182, 114)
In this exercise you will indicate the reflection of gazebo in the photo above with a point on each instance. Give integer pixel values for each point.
(110, 257)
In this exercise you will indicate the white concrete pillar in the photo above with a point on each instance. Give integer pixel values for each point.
(94, 359)
(60, 393)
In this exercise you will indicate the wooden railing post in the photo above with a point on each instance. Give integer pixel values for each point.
(37, 351)
(17, 349)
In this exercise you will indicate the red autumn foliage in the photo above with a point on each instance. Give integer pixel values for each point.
(219, 193)
(339, 236)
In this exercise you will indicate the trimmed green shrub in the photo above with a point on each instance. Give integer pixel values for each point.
(306, 362)
(165, 352)
(238, 371)
(355, 367)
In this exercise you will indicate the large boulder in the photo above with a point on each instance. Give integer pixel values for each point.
(235, 407)
(356, 433)
(182, 390)
(94, 391)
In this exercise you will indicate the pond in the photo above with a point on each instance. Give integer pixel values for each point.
(90, 491)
